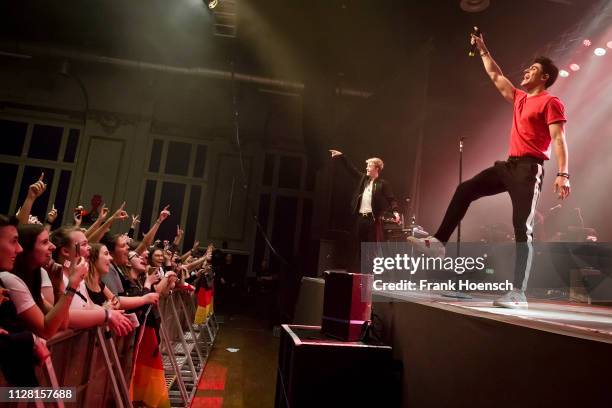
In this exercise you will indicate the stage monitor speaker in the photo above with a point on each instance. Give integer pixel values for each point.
(316, 371)
(309, 306)
(347, 305)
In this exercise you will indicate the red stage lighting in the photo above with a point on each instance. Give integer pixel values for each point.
(609, 44)
(586, 43)
(563, 73)
(574, 67)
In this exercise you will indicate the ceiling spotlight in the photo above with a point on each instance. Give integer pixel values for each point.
(609, 44)
(599, 52)
(586, 43)
(574, 67)
(474, 6)
(212, 4)
(563, 73)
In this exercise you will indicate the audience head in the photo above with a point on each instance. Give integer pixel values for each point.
(37, 251)
(99, 259)
(9, 242)
(156, 257)
(117, 245)
(66, 240)
(138, 263)
(37, 247)
(96, 201)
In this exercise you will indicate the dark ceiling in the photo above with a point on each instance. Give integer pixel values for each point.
(282, 38)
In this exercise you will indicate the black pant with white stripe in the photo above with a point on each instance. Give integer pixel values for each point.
(522, 178)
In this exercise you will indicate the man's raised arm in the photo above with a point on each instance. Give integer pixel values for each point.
(503, 84)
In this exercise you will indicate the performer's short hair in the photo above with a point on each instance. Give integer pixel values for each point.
(377, 162)
(548, 67)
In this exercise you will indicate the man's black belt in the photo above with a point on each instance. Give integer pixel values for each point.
(526, 158)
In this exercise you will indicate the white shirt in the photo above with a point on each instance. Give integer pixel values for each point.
(45, 282)
(366, 199)
(77, 301)
(19, 292)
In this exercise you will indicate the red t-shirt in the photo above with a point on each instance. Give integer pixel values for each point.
(529, 135)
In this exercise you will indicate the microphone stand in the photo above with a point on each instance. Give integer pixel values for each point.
(461, 139)
(457, 294)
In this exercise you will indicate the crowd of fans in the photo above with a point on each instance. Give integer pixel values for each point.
(81, 276)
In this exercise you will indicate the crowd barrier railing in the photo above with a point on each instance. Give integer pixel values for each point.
(99, 366)
(185, 346)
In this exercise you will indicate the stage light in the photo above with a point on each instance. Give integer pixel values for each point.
(474, 6)
(609, 44)
(599, 52)
(563, 73)
(574, 67)
(586, 43)
(212, 4)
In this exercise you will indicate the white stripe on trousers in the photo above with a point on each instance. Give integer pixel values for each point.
(529, 225)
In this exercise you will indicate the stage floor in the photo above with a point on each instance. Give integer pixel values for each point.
(468, 353)
(561, 317)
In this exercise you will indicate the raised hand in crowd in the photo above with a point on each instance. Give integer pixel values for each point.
(34, 191)
(78, 216)
(52, 215)
(335, 153)
(179, 235)
(76, 270)
(167, 254)
(37, 189)
(98, 222)
(103, 212)
(165, 213)
(94, 235)
(32, 219)
(135, 220)
(147, 240)
(120, 214)
(188, 256)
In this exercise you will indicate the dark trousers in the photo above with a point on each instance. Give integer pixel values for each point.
(367, 229)
(522, 178)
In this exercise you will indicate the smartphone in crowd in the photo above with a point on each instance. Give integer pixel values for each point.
(77, 251)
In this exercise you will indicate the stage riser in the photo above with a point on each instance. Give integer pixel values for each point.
(454, 360)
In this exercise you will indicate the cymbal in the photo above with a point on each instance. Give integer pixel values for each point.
(410, 226)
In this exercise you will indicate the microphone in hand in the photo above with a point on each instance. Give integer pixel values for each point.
(474, 48)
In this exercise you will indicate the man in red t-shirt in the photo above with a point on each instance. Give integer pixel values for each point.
(537, 121)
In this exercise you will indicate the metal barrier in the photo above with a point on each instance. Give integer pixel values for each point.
(185, 346)
(100, 366)
(88, 360)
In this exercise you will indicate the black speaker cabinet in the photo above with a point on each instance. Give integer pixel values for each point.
(318, 371)
(347, 304)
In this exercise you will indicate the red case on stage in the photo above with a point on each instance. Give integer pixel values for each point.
(347, 305)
